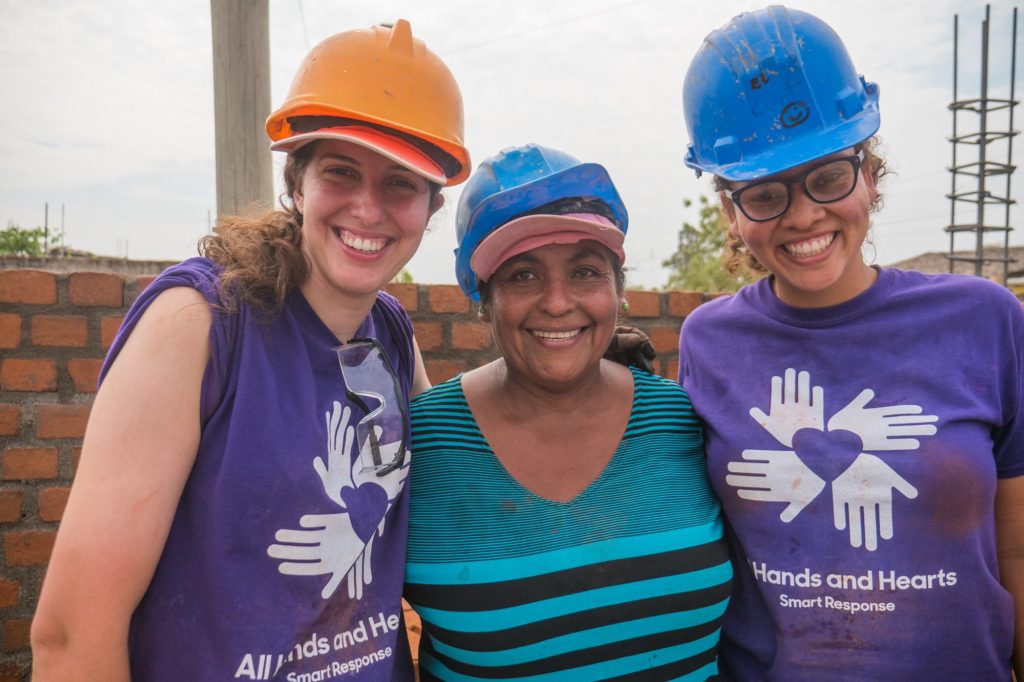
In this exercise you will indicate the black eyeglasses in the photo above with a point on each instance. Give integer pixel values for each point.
(824, 183)
(372, 386)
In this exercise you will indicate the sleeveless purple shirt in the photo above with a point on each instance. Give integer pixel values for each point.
(285, 559)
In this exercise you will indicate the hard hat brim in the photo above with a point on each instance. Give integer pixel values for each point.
(388, 146)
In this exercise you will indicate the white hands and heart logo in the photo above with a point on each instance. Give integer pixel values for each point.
(341, 544)
(862, 495)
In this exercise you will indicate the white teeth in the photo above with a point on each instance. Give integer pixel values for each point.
(557, 335)
(811, 247)
(363, 244)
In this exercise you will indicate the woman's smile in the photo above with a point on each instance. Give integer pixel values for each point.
(808, 248)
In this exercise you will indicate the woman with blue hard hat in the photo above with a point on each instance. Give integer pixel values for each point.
(865, 425)
(561, 524)
(240, 508)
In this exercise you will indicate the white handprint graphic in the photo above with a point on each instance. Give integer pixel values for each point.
(795, 405)
(862, 495)
(341, 544)
(866, 488)
(883, 428)
(775, 476)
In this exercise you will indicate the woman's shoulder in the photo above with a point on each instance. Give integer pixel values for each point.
(651, 389)
(953, 290)
(438, 396)
(199, 273)
(727, 307)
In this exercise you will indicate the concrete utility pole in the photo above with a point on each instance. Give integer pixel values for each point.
(241, 104)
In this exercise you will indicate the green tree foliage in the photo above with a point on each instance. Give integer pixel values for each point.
(403, 277)
(24, 241)
(696, 264)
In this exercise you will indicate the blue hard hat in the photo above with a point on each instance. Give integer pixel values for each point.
(518, 180)
(771, 90)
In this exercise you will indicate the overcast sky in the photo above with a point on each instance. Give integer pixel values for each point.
(106, 107)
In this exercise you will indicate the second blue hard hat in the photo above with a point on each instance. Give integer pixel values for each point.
(520, 180)
(771, 90)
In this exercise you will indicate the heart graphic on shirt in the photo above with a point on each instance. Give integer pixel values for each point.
(366, 505)
(827, 453)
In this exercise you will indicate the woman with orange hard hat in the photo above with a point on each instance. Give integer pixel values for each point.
(240, 509)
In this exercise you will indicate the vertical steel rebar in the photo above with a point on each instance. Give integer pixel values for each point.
(984, 166)
(952, 168)
(1009, 149)
(979, 241)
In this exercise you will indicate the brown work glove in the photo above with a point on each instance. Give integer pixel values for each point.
(630, 346)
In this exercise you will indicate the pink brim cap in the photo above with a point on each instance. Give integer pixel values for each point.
(533, 231)
(395, 148)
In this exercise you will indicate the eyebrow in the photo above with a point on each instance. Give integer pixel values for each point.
(342, 157)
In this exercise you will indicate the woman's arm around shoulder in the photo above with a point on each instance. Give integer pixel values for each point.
(139, 447)
(420, 381)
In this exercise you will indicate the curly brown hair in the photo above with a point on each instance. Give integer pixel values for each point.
(260, 255)
(739, 261)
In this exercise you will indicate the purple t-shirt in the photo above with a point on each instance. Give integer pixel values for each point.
(286, 556)
(856, 450)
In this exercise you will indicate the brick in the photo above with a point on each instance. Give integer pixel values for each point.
(61, 421)
(447, 298)
(52, 502)
(108, 329)
(682, 303)
(407, 295)
(16, 633)
(76, 457)
(10, 420)
(28, 286)
(10, 330)
(442, 370)
(96, 289)
(428, 335)
(143, 281)
(26, 464)
(28, 548)
(9, 590)
(85, 372)
(23, 374)
(672, 369)
(471, 336)
(643, 304)
(12, 672)
(10, 505)
(59, 330)
(665, 339)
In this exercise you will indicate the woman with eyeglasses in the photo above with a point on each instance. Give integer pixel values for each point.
(865, 425)
(240, 507)
(561, 523)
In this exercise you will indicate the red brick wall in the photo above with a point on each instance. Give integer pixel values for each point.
(54, 331)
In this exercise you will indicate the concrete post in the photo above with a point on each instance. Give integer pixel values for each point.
(241, 96)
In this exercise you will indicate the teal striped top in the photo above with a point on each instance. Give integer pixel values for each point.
(627, 580)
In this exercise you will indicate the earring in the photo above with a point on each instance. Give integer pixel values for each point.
(625, 306)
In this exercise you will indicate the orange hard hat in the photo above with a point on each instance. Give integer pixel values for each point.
(384, 77)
